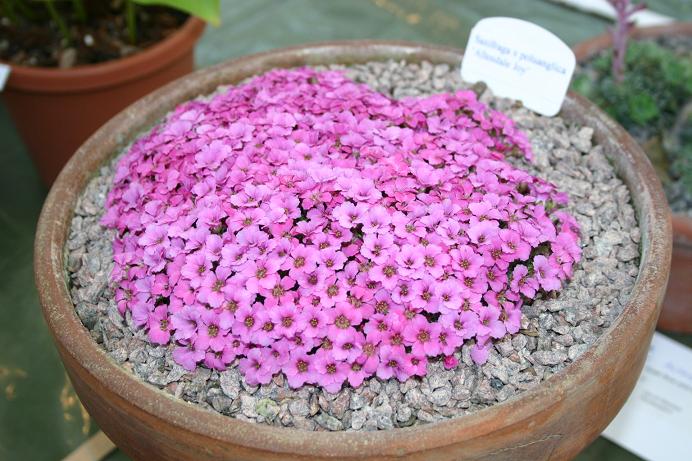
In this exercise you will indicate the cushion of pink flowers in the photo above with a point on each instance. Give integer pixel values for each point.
(304, 224)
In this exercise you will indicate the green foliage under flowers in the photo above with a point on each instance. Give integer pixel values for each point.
(656, 86)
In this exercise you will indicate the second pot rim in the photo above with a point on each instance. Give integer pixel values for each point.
(73, 338)
(104, 74)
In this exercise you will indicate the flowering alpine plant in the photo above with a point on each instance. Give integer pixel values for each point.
(304, 224)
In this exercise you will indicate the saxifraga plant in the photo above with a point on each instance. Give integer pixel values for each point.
(644, 86)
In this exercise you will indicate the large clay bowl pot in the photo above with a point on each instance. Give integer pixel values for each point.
(676, 315)
(555, 420)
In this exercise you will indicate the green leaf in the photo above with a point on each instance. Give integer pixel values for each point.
(642, 108)
(208, 10)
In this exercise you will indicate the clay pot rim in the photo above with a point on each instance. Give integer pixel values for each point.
(589, 47)
(682, 224)
(109, 73)
(73, 338)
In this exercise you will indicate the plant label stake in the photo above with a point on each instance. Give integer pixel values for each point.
(519, 60)
(4, 75)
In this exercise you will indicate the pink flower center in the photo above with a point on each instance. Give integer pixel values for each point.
(342, 321)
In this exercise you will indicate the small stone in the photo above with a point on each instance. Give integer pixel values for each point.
(329, 422)
(340, 404)
(247, 406)
(267, 408)
(549, 357)
(299, 407)
(425, 416)
(357, 402)
(68, 58)
(403, 413)
(415, 398)
(576, 350)
(230, 382)
(441, 396)
(582, 141)
(358, 418)
(375, 385)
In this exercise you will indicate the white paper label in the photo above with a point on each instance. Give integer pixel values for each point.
(656, 421)
(519, 60)
(4, 74)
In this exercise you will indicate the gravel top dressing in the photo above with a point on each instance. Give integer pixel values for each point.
(553, 331)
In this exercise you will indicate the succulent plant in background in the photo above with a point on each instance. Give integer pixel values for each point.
(624, 10)
(644, 85)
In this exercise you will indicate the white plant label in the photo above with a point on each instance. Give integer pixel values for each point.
(519, 60)
(656, 421)
(4, 74)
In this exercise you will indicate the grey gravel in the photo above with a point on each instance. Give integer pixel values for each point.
(555, 332)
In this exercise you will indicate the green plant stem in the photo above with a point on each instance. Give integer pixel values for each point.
(79, 10)
(22, 10)
(58, 20)
(131, 18)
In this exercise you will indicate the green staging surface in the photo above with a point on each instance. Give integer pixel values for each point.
(40, 416)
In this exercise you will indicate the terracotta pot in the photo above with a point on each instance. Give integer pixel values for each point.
(676, 315)
(55, 110)
(555, 420)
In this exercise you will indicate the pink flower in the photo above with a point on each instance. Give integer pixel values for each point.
(521, 282)
(490, 323)
(348, 214)
(158, 324)
(375, 247)
(212, 331)
(449, 295)
(410, 260)
(434, 260)
(466, 260)
(213, 287)
(300, 369)
(255, 367)
(188, 355)
(393, 363)
(450, 362)
(260, 274)
(423, 336)
(387, 274)
(185, 322)
(546, 273)
(331, 372)
(376, 220)
(480, 352)
(348, 345)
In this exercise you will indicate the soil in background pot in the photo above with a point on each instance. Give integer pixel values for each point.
(102, 36)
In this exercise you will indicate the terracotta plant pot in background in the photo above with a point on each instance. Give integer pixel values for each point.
(554, 420)
(55, 110)
(676, 315)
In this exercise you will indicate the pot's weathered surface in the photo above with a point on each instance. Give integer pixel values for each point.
(55, 110)
(676, 315)
(554, 420)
